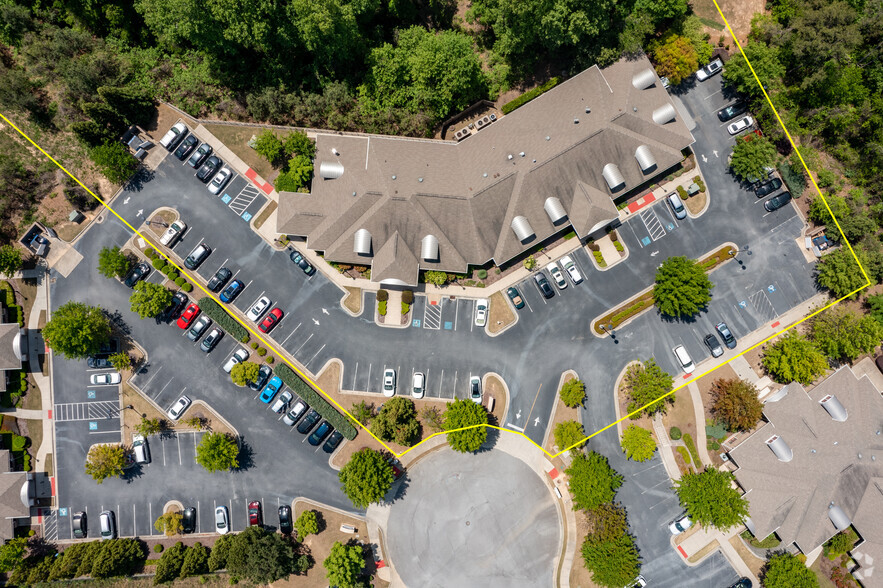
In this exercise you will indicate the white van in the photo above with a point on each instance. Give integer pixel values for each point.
(108, 525)
(677, 205)
(684, 359)
(140, 449)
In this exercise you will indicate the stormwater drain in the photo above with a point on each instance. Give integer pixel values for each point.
(467, 523)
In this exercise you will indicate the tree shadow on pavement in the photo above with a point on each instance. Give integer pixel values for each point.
(141, 177)
(246, 456)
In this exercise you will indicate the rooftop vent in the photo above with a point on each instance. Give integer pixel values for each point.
(576, 121)
(834, 408)
(335, 151)
(522, 228)
(612, 176)
(588, 110)
(644, 79)
(664, 114)
(645, 158)
(509, 157)
(521, 154)
(554, 209)
(330, 170)
(780, 448)
(838, 517)
(429, 248)
(362, 242)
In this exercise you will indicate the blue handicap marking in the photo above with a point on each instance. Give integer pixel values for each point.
(93, 425)
(62, 512)
(646, 241)
(226, 198)
(246, 216)
(670, 226)
(416, 323)
(90, 394)
(449, 325)
(771, 288)
(742, 304)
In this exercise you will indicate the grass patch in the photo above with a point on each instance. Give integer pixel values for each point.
(684, 454)
(353, 301)
(768, 543)
(712, 23)
(622, 313)
(265, 214)
(691, 446)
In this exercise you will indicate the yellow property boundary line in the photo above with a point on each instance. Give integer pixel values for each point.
(550, 455)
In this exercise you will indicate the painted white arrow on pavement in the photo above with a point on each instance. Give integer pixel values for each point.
(536, 422)
(126, 201)
(518, 415)
(654, 254)
(715, 153)
(704, 159)
(140, 211)
(324, 311)
(315, 321)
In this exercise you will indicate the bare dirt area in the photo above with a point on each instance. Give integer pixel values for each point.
(353, 301)
(236, 138)
(500, 314)
(262, 217)
(754, 563)
(696, 203)
(737, 12)
(580, 577)
(682, 414)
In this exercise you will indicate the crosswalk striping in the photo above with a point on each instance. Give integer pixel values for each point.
(84, 411)
(654, 226)
(50, 525)
(244, 199)
(763, 305)
(432, 317)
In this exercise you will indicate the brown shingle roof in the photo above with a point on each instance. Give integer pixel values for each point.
(9, 359)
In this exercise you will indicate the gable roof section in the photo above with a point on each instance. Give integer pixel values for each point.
(395, 262)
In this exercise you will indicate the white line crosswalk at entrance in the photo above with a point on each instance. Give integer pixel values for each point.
(244, 199)
(84, 411)
(432, 317)
(651, 221)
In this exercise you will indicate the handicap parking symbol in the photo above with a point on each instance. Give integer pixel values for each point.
(449, 325)
(743, 304)
(771, 288)
(670, 226)
(226, 198)
(90, 394)
(62, 512)
(246, 216)
(93, 425)
(646, 241)
(416, 323)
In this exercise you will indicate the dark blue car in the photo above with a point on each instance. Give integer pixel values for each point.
(232, 291)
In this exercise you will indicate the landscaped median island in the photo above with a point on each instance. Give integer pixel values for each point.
(217, 313)
(315, 400)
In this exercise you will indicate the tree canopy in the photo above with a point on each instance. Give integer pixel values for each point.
(676, 58)
(735, 403)
(682, 287)
(245, 372)
(10, 260)
(765, 60)
(113, 263)
(76, 330)
(794, 358)
(149, 300)
(785, 570)
(218, 452)
(569, 435)
(397, 421)
(591, 480)
(842, 334)
(648, 383)
(711, 500)
(573, 392)
(366, 478)
(751, 155)
(260, 556)
(638, 443)
(105, 461)
(306, 524)
(344, 565)
(465, 413)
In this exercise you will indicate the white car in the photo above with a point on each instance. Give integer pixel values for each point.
(258, 309)
(709, 70)
(222, 520)
(220, 179)
(571, 269)
(389, 383)
(740, 125)
(684, 359)
(475, 389)
(481, 312)
(179, 408)
(680, 525)
(557, 276)
(171, 139)
(418, 386)
(238, 356)
(281, 402)
(105, 379)
(173, 233)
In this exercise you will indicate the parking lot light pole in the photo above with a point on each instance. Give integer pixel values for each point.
(734, 252)
(160, 223)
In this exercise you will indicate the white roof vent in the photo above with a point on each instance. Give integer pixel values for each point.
(522, 228)
(330, 170)
(362, 242)
(663, 114)
(838, 517)
(612, 176)
(644, 79)
(429, 248)
(780, 448)
(509, 157)
(554, 209)
(834, 408)
(335, 151)
(645, 158)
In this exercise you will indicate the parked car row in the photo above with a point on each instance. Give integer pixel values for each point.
(569, 268)
(713, 344)
(201, 157)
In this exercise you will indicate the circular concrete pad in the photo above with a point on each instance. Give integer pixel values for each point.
(474, 520)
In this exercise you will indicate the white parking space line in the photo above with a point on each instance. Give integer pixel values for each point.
(198, 519)
(290, 334)
(368, 387)
(135, 524)
(163, 388)
(713, 94)
(315, 354)
(256, 299)
(178, 438)
(150, 514)
(302, 344)
(455, 384)
(355, 375)
(526, 301)
(456, 313)
(222, 265)
(440, 381)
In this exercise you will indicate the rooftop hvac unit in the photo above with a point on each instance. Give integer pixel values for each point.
(330, 170)
(429, 248)
(493, 117)
(479, 123)
(522, 228)
(644, 79)
(664, 114)
(141, 154)
(780, 448)
(362, 242)
(612, 176)
(554, 209)
(645, 158)
(335, 151)
(486, 120)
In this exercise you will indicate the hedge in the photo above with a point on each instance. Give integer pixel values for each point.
(528, 96)
(688, 441)
(159, 263)
(217, 313)
(188, 287)
(311, 397)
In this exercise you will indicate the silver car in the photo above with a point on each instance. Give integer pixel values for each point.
(179, 407)
(282, 401)
(258, 309)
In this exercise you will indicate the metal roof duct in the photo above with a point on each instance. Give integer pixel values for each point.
(522, 228)
(362, 242)
(429, 248)
(612, 176)
(645, 158)
(665, 113)
(750, 525)
(838, 517)
(554, 209)
(644, 79)
(330, 170)
(834, 408)
(780, 448)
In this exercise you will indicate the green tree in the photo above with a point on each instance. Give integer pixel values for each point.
(168, 523)
(268, 146)
(569, 435)
(646, 383)
(661, 10)
(195, 561)
(614, 562)
(839, 273)
(113, 263)
(735, 403)
(149, 300)
(465, 413)
(306, 524)
(842, 334)
(121, 361)
(435, 278)
(105, 461)
(116, 557)
(363, 412)
(149, 426)
(169, 566)
(114, 161)
(591, 480)
(607, 521)
(675, 58)
(397, 421)
(297, 174)
(818, 211)
(682, 287)
(711, 500)
(10, 260)
(750, 155)
(785, 570)
(573, 392)
(260, 556)
(297, 143)
(794, 358)
(366, 478)
(638, 443)
(766, 62)
(218, 452)
(344, 565)
(217, 559)
(244, 372)
(12, 553)
(875, 303)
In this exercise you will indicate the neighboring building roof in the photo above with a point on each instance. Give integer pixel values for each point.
(809, 471)
(598, 127)
(15, 496)
(10, 346)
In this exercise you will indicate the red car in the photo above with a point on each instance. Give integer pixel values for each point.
(187, 316)
(255, 517)
(273, 317)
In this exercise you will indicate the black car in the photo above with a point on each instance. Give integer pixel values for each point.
(138, 272)
(742, 583)
(309, 422)
(777, 201)
(333, 442)
(264, 373)
(302, 263)
(713, 345)
(768, 187)
(219, 279)
(97, 363)
(543, 285)
(186, 147)
(81, 528)
(199, 155)
(179, 301)
(209, 168)
(320, 433)
(285, 525)
(188, 520)
(726, 335)
(732, 111)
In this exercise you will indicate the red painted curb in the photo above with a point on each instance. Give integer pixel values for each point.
(50, 414)
(684, 553)
(775, 324)
(52, 480)
(553, 473)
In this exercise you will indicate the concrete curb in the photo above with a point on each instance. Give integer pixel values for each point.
(346, 295)
(506, 392)
(616, 387)
(564, 375)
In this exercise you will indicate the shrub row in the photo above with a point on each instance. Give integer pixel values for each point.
(381, 308)
(315, 400)
(217, 313)
(631, 310)
(528, 96)
(599, 258)
(694, 453)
